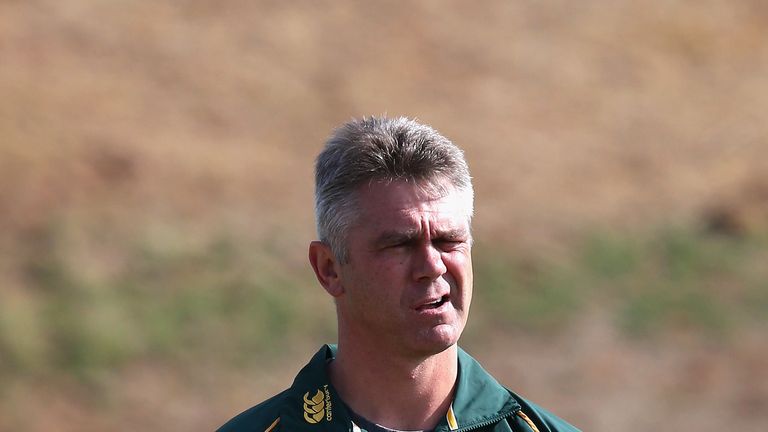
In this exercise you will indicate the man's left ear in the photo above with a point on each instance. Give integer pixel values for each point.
(326, 268)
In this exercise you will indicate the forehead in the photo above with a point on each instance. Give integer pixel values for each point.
(390, 204)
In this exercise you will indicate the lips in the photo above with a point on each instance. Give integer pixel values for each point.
(433, 303)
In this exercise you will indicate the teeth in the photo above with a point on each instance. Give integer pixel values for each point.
(436, 303)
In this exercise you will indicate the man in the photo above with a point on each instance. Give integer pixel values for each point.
(394, 202)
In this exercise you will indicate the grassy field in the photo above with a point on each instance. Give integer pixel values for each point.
(156, 179)
(239, 307)
(227, 299)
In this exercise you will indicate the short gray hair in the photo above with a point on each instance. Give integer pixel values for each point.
(379, 149)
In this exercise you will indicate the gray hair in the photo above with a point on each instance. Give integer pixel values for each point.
(380, 149)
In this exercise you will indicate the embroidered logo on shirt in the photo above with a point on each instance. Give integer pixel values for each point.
(318, 406)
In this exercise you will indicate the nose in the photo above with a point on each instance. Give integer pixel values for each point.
(428, 264)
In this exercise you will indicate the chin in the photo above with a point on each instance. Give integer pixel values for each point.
(438, 339)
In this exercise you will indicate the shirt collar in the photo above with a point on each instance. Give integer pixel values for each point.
(314, 404)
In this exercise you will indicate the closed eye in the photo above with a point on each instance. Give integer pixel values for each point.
(448, 241)
(403, 242)
(449, 244)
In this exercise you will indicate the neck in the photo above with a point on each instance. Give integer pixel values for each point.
(395, 391)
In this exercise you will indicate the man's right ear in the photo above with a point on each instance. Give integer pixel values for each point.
(326, 268)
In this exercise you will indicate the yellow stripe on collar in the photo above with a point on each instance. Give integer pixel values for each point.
(451, 417)
(272, 426)
(527, 420)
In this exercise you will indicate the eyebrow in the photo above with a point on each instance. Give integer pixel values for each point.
(413, 235)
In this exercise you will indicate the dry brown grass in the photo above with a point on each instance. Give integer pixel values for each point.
(121, 117)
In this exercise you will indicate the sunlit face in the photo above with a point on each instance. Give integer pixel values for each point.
(408, 283)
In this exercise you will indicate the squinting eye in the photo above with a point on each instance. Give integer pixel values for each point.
(449, 244)
(399, 245)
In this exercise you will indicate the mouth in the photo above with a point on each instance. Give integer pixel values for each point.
(434, 304)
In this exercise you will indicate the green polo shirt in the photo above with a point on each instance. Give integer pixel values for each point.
(311, 404)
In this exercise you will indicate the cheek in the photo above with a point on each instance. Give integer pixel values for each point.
(389, 267)
(377, 282)
(460, 272)
(460, 264)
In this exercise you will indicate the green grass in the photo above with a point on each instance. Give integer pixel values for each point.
(223, 301)
(233, 301)
(520, 294)
(668, 280)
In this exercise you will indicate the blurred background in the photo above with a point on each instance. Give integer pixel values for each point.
(156, 200)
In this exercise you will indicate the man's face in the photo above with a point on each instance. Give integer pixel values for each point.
(408, 283)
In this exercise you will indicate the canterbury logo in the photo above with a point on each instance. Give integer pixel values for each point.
(318, 406)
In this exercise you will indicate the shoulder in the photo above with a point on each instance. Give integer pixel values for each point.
(542, 418)
(260, 418)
